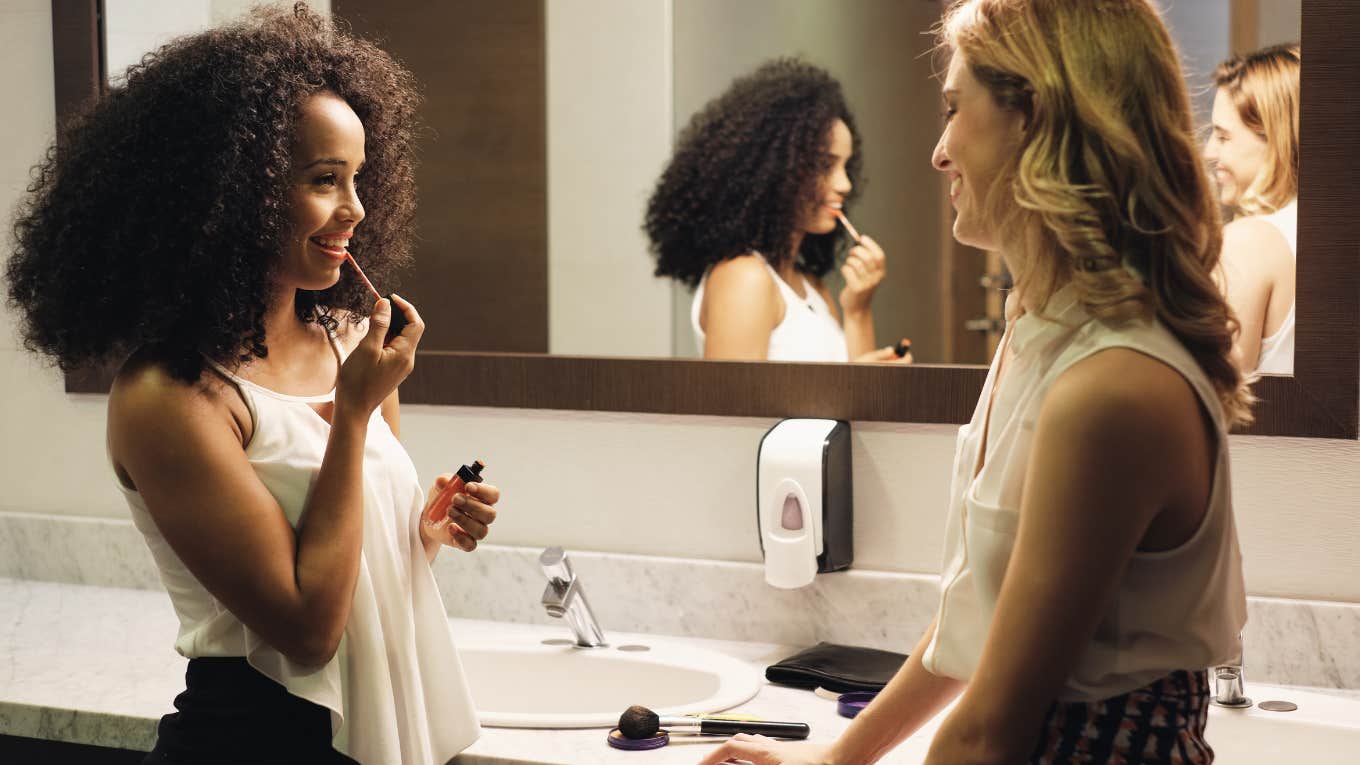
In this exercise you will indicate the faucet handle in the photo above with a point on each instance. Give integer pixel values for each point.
(555, 564)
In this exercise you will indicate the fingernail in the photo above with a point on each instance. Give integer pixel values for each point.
(459, 500)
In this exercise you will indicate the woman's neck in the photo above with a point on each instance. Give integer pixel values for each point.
(788, 264)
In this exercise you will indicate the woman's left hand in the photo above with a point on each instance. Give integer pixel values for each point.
(472, 512)
(864, 270)
(767, 751)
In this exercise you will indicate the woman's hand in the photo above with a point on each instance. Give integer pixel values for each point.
(767, 751)
(864, 270)
(884, 355)
(469, 516)
(372, 371)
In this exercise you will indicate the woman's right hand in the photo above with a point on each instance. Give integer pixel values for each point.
(373, 370)
(885, 355)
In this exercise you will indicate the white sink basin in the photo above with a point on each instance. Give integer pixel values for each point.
(1324, 730)
(526, 684)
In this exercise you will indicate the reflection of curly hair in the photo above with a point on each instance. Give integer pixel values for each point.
(157, 218)
(746, 168)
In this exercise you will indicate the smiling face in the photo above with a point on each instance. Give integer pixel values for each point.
(834, 185)
(1236, 153)
(324, 205)
(979, 136)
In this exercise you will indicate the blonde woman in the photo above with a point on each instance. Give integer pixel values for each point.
(1253, 149)
(1092, 569)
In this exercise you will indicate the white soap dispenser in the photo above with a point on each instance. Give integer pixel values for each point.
(804, 503)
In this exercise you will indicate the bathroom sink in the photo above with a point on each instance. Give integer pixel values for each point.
(525, 683)
(1322, 731)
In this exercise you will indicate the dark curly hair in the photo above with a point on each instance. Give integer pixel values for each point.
(746, 168)
(157, 217)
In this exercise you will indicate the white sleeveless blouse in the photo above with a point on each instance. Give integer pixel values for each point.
(808, 331)
(395, 688)
(1175, 609)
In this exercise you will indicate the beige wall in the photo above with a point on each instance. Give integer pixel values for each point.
(651, 485)
(609, 115)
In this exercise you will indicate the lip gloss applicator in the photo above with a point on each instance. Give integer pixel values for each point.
(398, 316)
(849, 228)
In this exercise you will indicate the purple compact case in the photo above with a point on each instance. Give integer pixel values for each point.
(851, 704)
(619, 741)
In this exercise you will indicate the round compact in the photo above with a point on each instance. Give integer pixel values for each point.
(851, 704)
(619, 741)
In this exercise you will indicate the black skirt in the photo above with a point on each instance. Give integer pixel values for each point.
(230, 713)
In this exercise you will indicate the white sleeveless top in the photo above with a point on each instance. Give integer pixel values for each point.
(395, 688)
(808, 331)
(1176, 609)
(1277, 351)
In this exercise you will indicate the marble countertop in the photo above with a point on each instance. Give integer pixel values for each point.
(95, 665)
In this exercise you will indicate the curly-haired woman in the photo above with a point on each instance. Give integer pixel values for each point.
(195, 222)
(1092, 570)
(746, 211)
(1253, 148)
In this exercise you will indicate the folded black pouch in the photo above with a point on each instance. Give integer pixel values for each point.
(839, 668)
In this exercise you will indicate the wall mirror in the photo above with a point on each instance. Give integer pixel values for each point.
(568, 327)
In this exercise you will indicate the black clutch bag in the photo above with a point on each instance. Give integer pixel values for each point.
(839, 668)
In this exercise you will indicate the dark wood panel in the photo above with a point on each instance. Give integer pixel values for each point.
(77, 53)
(757, 389)
(481, 263)
(1327, 347)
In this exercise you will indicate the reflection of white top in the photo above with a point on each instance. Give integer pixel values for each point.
(808, 331)
(395, 687)
(1177, 609)
(1277, 351)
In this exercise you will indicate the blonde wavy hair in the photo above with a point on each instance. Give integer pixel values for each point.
(1264, 88)
(1108, 188)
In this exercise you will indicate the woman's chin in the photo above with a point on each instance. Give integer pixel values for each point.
(973, 236)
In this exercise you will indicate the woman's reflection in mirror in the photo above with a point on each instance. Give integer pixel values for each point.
(1253, 149)
(747, 212)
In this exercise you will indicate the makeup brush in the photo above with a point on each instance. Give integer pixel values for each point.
(849, 228)
(398, 315)
(640, 722)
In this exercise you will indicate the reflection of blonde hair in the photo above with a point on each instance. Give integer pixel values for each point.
(1264, 86)
(1107, 188)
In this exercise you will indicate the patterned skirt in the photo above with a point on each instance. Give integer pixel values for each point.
(1161, 723)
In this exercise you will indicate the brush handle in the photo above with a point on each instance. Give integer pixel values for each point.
(771, 729)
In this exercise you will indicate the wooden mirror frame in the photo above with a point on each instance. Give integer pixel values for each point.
(1322, 399)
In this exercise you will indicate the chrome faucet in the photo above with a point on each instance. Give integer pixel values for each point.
(565, 599)
(1228, 690)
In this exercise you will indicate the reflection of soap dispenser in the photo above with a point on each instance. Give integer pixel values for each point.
(804, 502)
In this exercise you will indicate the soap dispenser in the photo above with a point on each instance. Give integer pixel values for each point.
(804, 503)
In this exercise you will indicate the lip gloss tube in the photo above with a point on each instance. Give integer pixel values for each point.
(439, 509)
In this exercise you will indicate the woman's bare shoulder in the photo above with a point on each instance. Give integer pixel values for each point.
(1253, 238)
(742, 272)
(147, 400)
